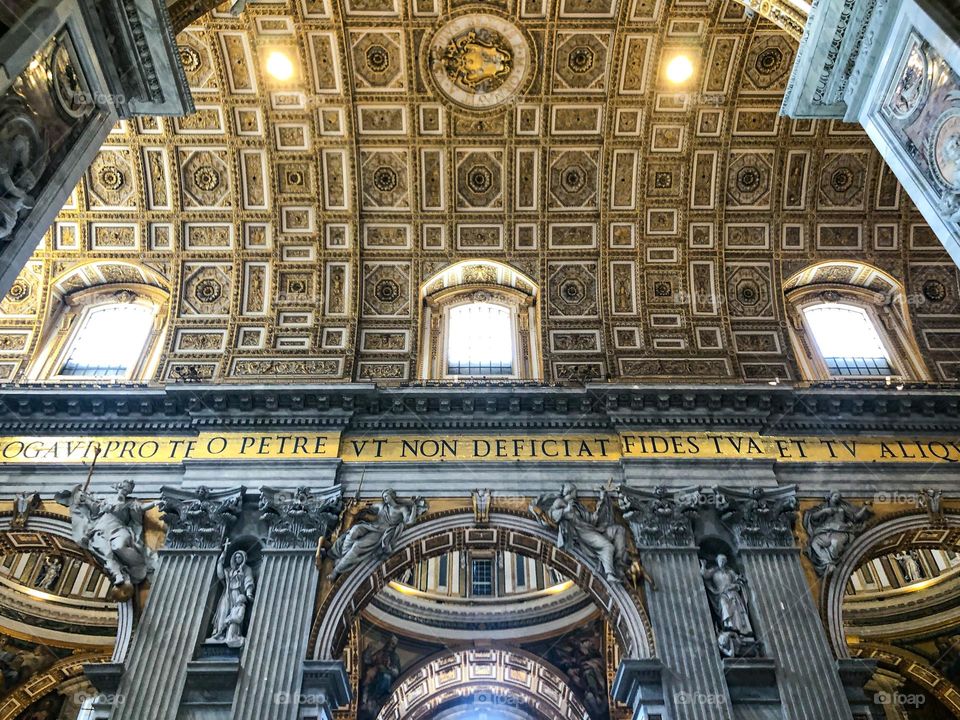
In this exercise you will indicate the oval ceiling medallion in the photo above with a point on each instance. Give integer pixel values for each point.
(479, 61)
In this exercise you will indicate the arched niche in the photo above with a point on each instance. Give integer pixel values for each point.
(501, 681)
(487, 281)
(456, 530)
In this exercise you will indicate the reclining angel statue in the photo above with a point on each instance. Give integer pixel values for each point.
(112, 529)
(595, 533)
(376, 535)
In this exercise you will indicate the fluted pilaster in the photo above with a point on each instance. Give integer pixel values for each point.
(788, 625)
(272, 662)
(685, 637)
(164, 641)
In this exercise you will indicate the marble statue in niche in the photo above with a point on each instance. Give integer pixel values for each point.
(381, 668)
(238, 589)
(831, 526)
(112, 529)
(909, 565)
(49, 573)
(728, 601)
(376, 535)
(595, 533)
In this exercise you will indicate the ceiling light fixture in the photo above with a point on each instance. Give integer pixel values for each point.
(279, 65)
(679, 69)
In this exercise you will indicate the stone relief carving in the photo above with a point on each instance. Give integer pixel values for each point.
(21, 147)
(759, 517)
(376, 535)
(929, 501)
(201, 518)
(910, 92)
(726, 591)
(831, 526)
(658, 518)
(112, 529)
(24, 504)
(300, 519)
(238, 589)
(595, 533)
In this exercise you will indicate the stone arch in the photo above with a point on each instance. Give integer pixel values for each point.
(443, 532)
(912, 667)
(881, 536)
(55, 525)
(433, 685)
(107, 272)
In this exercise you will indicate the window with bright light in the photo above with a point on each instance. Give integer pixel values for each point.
(847, 340)
(480, 340)
(109, 342)
(482, 577)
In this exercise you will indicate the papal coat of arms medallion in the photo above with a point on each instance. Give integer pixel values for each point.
(479, 60)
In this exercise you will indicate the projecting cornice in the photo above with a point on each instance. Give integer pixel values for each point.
(759, 408)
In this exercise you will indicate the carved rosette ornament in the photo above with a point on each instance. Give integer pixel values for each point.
(759, 517)
(661, 518)
(201, 518)
(300, 519)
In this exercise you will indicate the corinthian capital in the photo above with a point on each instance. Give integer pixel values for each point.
(199, 518)
(759, 517)
(300, 518)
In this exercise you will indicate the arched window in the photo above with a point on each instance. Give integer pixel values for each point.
(847, 340)
(479, 320)
(104, 333)
(849, 321)
(480, 340)
(108, 342)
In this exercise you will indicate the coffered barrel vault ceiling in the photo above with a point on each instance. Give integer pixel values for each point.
(294, 222)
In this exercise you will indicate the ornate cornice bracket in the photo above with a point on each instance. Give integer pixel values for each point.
(201, 518)
(299, 519)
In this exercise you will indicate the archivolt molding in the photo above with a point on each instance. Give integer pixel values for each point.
(883, 537)
(914, 667)
(54, 525)
(513, 676)
(46, 682)
(444, 532)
